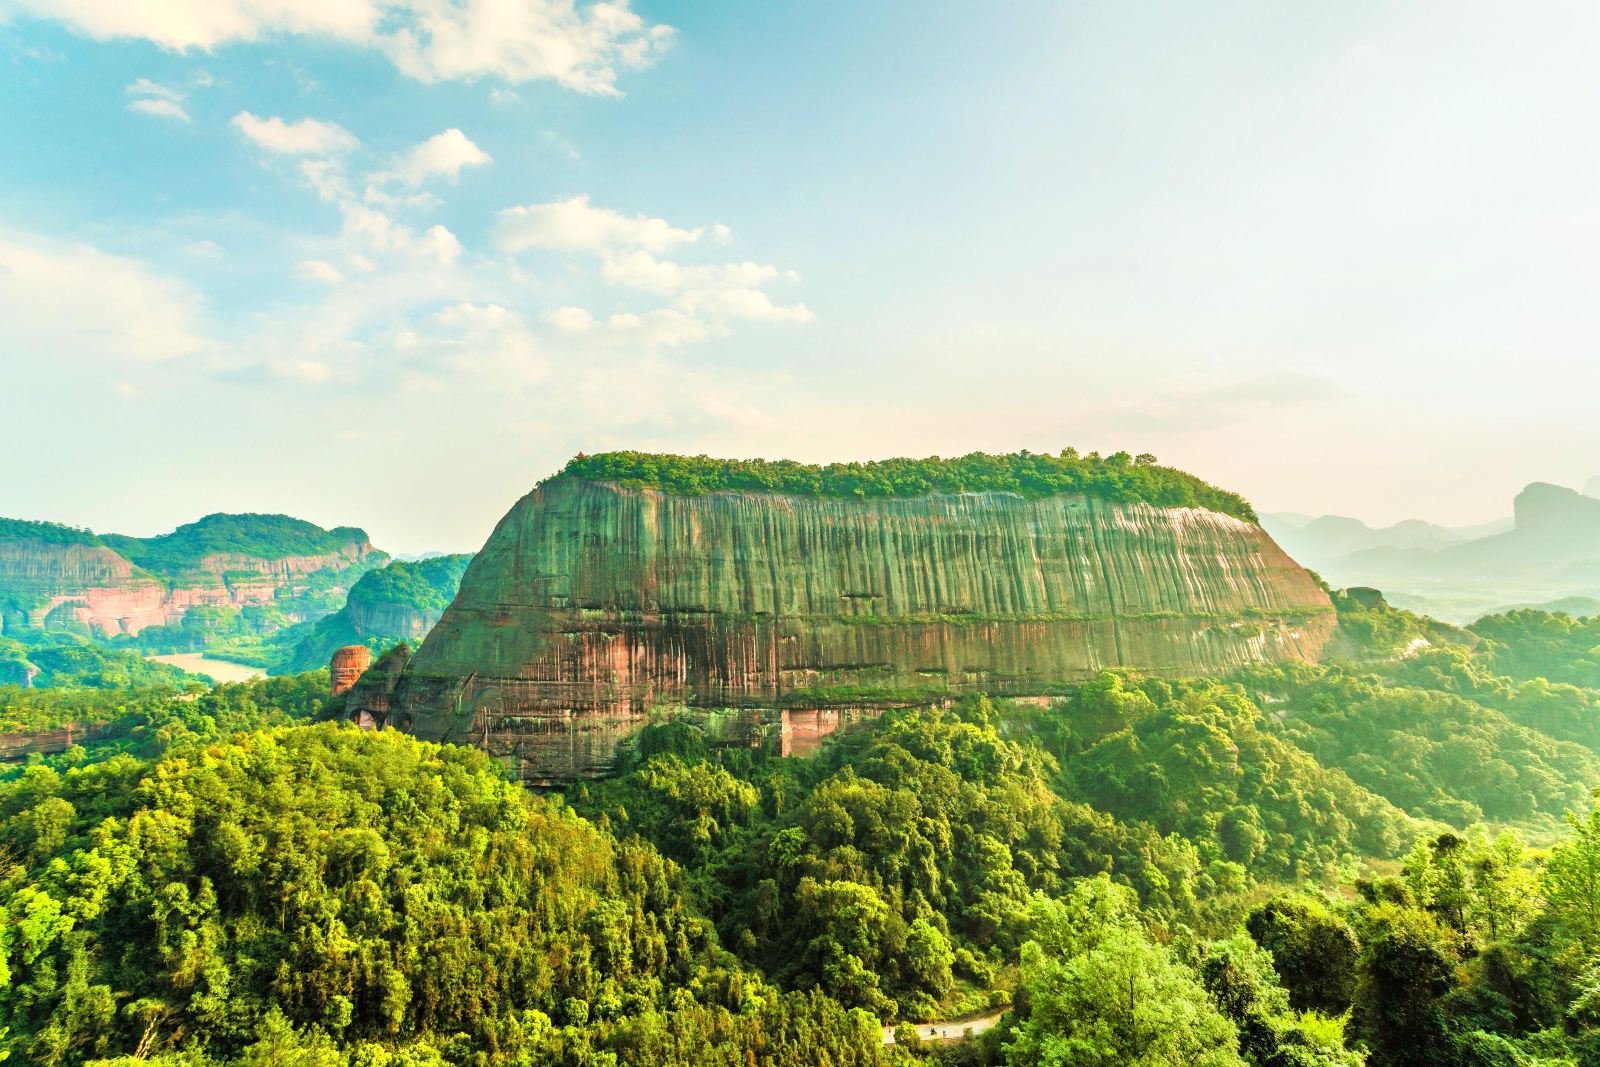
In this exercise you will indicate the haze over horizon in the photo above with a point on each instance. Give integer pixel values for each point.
(367, 266)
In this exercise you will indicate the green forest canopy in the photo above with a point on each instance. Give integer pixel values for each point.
(425, 584)
(1150, 872)
(261, 536)
(1120, 477)
(52, 532)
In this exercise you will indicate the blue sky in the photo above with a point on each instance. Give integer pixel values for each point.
(388, 262)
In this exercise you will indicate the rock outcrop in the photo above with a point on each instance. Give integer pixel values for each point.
(593, 606)
(15, 747)
(55, 578)
(346, 668)
(369, 701)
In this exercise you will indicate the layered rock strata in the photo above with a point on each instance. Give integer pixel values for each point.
(348, 665)
(58, 586)
(592, 607)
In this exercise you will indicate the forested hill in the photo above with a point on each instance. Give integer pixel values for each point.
(47, 532)
(221, 579)
(1120, 477)
(266, 537)
(1298, 866)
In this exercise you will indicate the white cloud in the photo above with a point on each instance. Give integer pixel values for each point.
(379, 232)
(489, 340)
(641, 270)
(205, 24)
(153, 98)
(573, 225)
(326, 176)
(661, 326)
(580, 47)
(742, 303)
(71, 301)
(307, 137)
(443, 154)
(571, 320)
(165, 109)
(320, 270)
(146, 87)
(716, 292)
(498, 95)
(304, 371)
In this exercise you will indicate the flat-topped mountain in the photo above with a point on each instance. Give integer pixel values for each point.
(55, 577)
(780, 598)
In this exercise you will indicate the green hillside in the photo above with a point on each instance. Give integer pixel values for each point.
(1368, 861)
(261, 536)
(50, 532)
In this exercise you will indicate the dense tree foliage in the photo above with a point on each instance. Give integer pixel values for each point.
(1295, 867)
(1541, 644)
(52, 532)
(894, 871)
(1118, 477)
(1202, 761)
(260, 536)
(1103, 993)
(425, 584)
(150, 721)
(1433, 753)
(313, 887)
(61, 661)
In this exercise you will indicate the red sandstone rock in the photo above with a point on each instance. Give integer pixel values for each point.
(347, 666)
(594, 608)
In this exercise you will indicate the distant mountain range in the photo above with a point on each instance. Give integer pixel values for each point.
(1547, 555)
(272, 591)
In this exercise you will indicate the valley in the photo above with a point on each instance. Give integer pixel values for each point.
(218, 670)
(797, 762)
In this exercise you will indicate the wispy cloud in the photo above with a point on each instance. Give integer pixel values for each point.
(162, 101)
(305, 137)
(575, 225)
(579, 46)
(62, 300)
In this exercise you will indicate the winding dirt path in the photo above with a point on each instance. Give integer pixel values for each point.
(950, 1030)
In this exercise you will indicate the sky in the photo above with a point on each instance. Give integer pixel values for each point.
(388, 263)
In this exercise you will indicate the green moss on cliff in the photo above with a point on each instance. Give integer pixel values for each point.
(1118, 477)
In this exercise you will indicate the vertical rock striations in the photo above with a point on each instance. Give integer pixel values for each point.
(57, 578)
(346, 668)
(591, 605)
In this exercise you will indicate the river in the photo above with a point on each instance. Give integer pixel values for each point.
(218, 670)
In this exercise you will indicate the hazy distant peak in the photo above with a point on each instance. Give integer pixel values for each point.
(1592, 487)
(1555, 510)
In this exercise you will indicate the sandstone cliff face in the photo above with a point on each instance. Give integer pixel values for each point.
(398, 620)
(592, 605)
(52, 585)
